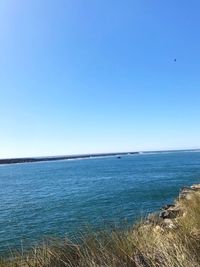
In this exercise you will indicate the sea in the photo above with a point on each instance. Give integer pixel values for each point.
(63, 198)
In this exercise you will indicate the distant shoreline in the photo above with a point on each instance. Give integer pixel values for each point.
(82, 156)
(53, 158)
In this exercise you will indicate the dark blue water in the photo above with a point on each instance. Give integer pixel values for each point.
(61, 197)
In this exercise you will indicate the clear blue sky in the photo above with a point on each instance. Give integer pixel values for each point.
(98, 76)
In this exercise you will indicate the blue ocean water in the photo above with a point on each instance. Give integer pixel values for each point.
(61, 197)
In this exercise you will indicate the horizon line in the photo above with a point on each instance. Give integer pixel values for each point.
(79, 156)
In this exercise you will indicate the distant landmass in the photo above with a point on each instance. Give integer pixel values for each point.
(53, 158)
(81, 156)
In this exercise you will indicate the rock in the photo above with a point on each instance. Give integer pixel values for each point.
(185, 194)
(166, 207)
(169, 223)
(187, 188)
(163, 214)
(169, 214)
(196, 187)
(153, 218)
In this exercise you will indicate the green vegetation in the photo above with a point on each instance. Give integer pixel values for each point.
(145, 245)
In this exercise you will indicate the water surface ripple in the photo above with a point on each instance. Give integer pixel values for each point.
(61, 197)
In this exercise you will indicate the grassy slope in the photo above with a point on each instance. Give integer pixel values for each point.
(144, 245)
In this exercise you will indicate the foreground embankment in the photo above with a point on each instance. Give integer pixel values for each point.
(169, 238)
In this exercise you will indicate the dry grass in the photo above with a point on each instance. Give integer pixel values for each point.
(144, 245)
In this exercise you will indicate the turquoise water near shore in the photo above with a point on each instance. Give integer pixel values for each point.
(61, 197)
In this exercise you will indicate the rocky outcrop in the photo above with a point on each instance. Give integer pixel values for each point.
(171, 212)
(187, 191)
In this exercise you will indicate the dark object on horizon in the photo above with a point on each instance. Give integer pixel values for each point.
(175, 60)
(119, 157)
